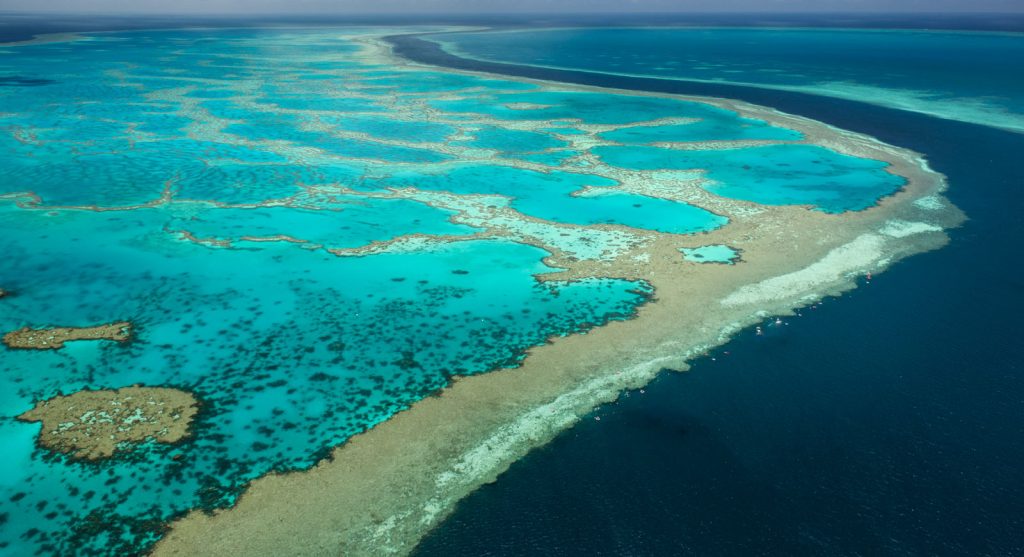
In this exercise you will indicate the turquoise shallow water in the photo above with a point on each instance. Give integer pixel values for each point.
(773, 174)
(140, 141)
(350, 224)
(292, 351)
(514, 141)
(588, 107)
(906, 69)
(549, 196)
(715, 253)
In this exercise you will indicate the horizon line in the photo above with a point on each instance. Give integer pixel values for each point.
(406, 13)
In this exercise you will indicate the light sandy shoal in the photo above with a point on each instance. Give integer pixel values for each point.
(384, 489)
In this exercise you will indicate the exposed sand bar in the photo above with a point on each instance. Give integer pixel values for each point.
(383, 490)
(96, 424)
(54, 338)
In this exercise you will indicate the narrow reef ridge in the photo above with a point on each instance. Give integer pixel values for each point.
(54, 338)
(93, 425)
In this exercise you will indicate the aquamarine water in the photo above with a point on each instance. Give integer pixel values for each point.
(707, 129)
(591, 108)
(773, 174)
(713, 253)
(206, 186)
(549, 196)
(906, 69)
(348, 222)
(514, 141)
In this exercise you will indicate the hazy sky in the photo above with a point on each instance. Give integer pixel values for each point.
(505, 6)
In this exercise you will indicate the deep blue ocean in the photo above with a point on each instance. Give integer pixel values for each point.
(908, 69)
(889, 421)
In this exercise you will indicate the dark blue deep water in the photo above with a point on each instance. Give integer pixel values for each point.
(907, 69)
(889, 421)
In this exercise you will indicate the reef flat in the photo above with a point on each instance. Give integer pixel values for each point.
(316, 236)
(53, 338)
(95, 424)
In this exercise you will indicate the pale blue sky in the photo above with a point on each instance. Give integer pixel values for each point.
(506, 6)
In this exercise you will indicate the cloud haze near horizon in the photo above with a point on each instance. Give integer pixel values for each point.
(341, 7)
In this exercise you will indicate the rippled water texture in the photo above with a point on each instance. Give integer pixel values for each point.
(310, 238)
(898, 69)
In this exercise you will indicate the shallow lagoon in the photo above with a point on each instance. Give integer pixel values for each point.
(773, 174)
(554, 197)
(167, 148)
(714, 253)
